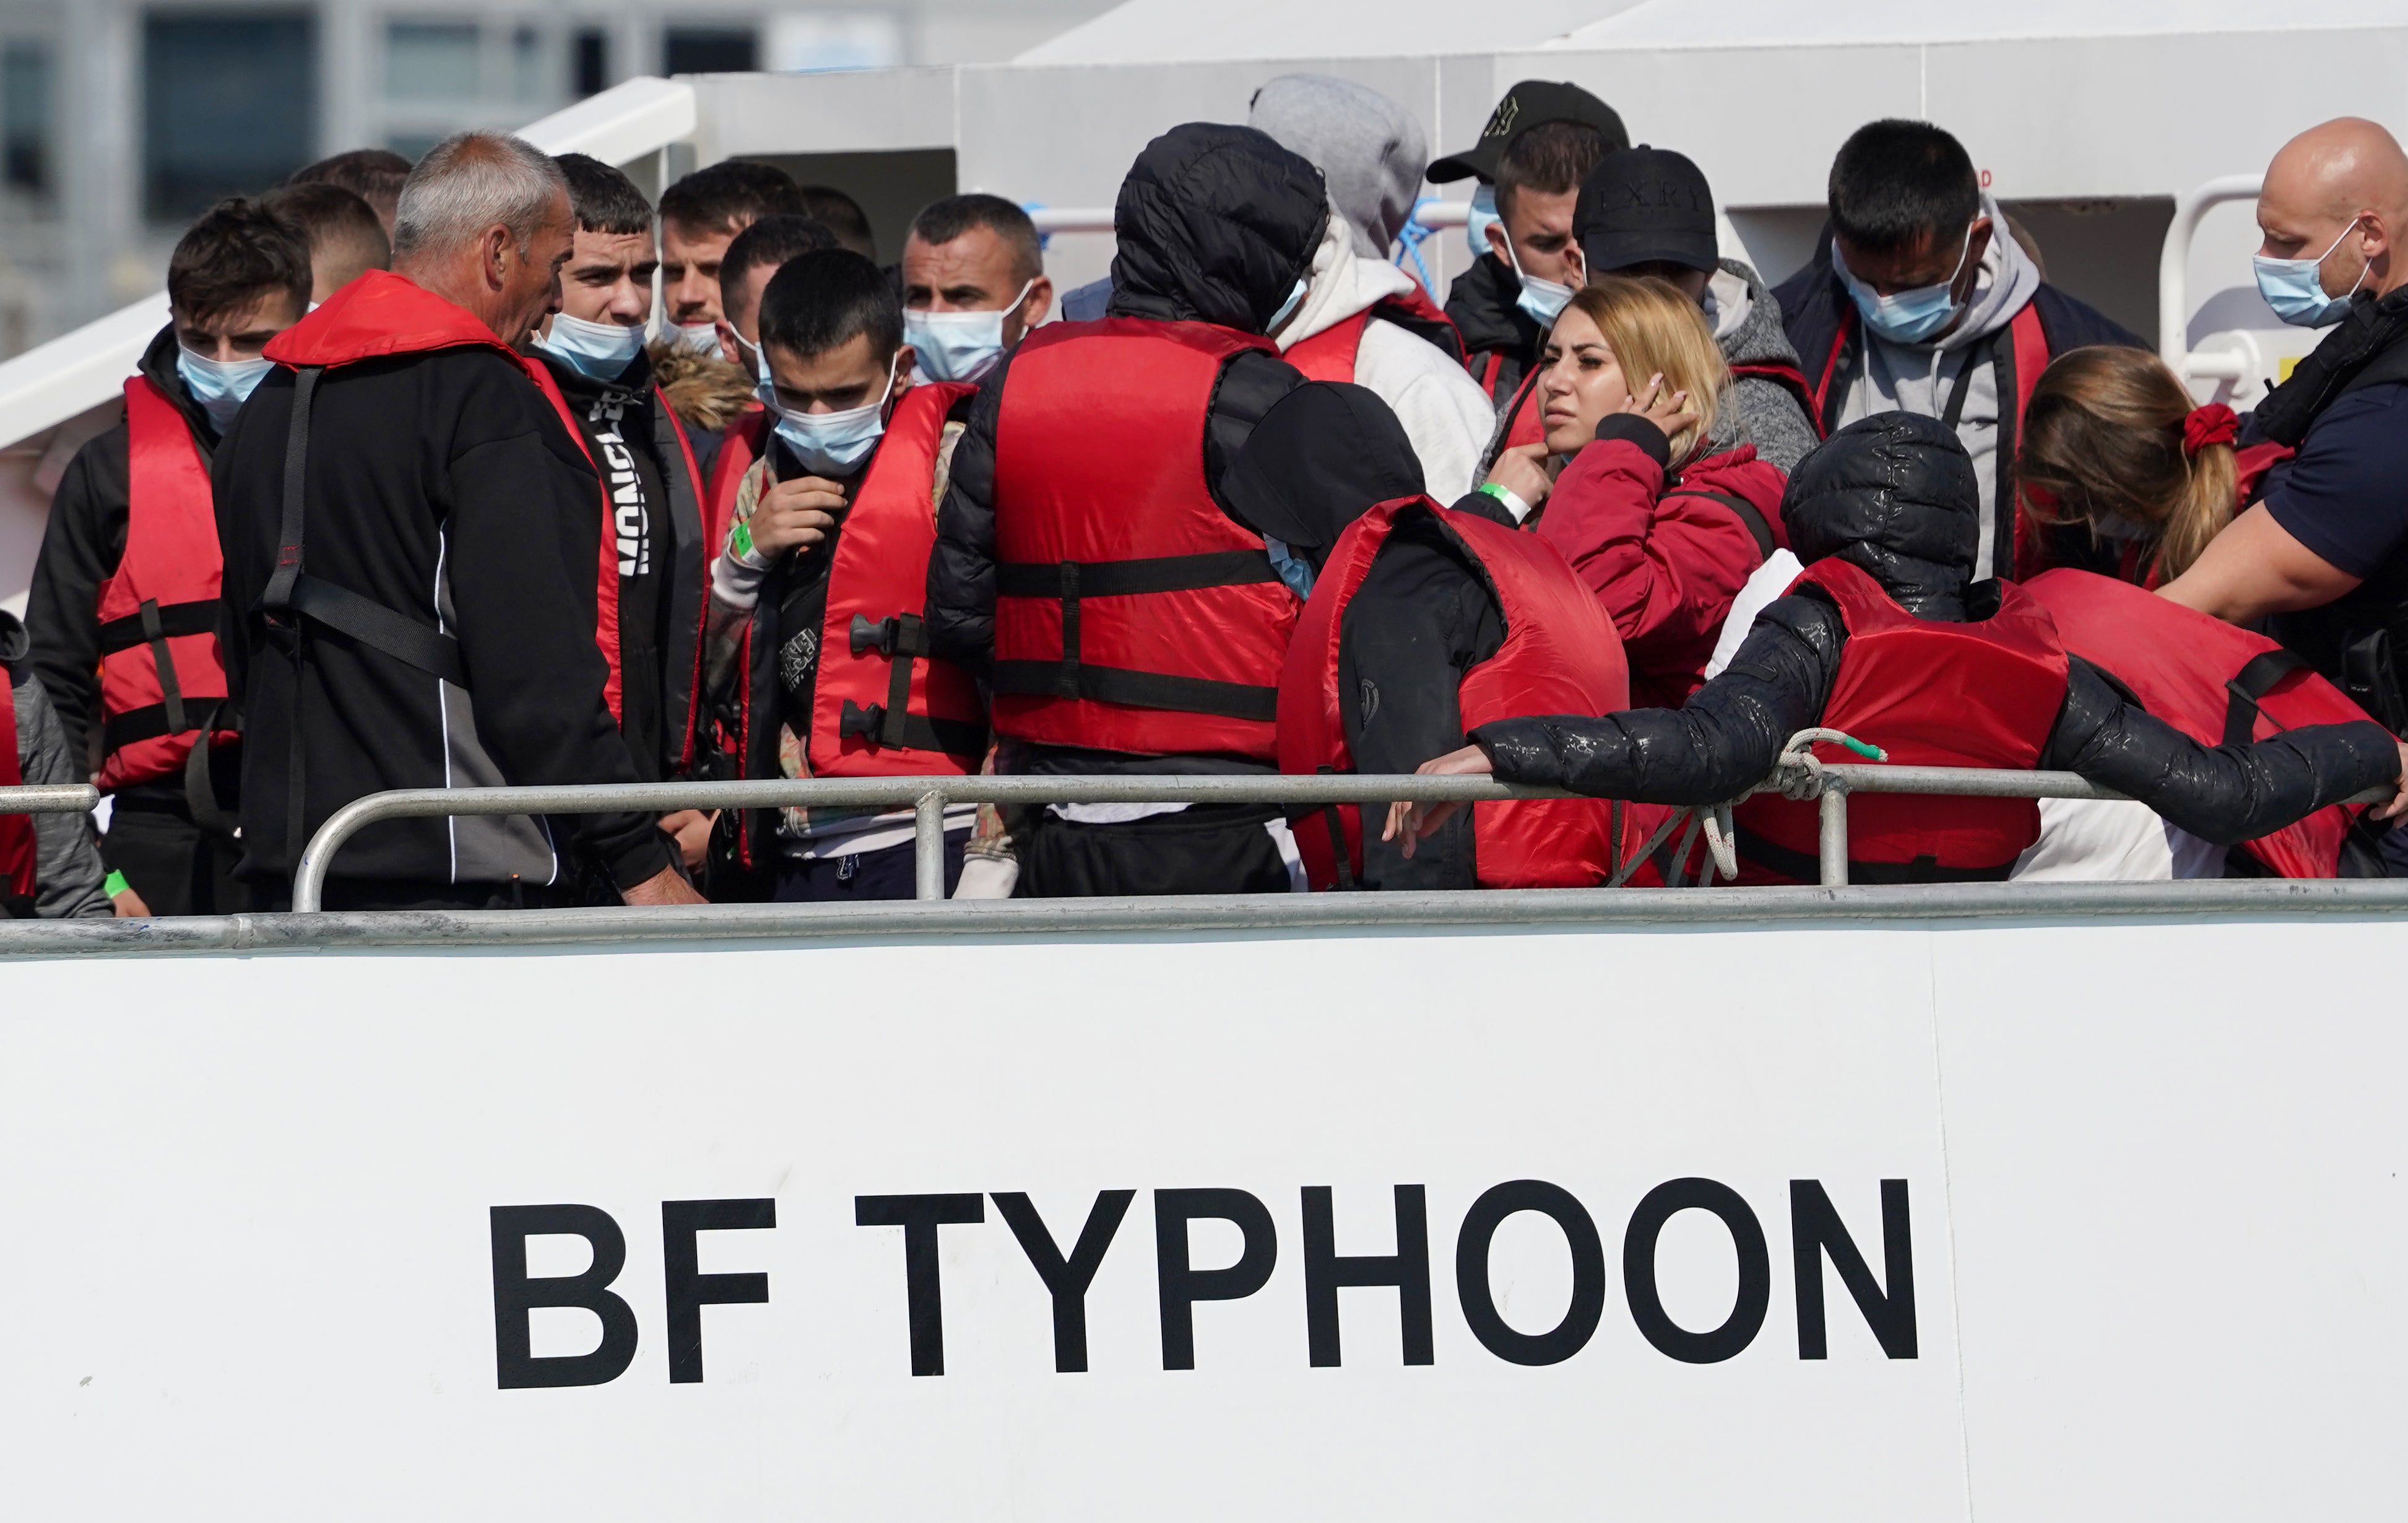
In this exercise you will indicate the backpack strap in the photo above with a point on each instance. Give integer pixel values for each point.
(2254, 682)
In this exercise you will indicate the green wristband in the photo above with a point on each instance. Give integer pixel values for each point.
(739, 540)
(116, 884)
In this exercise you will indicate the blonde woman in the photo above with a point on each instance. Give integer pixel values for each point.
(1664, 529)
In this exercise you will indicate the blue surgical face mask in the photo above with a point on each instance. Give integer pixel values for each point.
(2295, 289)
(829, 443)
(1542, 301)
(219, 386)
(1287, 309)
(1905, 317)
(702, 338)
(958, 346)
(1475, 225)
(596, 351)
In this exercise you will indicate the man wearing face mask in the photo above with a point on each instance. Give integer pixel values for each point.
(593, 346)
(817, 628)
(1539, 143)
(2323, 554)
(701, 217)
(422, 567)
(123, 607)
(752, 258)
(1918, 305)
(973, 285)
(1089, 563)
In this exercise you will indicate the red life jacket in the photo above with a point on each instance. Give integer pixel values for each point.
(2216, 683)
(739, 447)
(1560, 655)
(1329, 354)
(881, 706)
(161, 679)
(17, 849)
(1985, 693)
(381, 314)
(1132, 614)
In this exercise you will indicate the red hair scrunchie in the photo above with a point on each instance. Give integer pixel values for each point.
(2214, 423)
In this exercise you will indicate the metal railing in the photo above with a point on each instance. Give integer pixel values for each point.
(1830, 783)
(49, 798)
(2173, 279)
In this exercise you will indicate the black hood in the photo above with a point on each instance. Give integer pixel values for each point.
(1216, 225)
(1326, 452)
(1896, 495)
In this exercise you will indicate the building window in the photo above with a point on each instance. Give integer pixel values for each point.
(229, 105)
(430, 60)
(697, 50)
(25, 116)
(527, 66)
(590, 63)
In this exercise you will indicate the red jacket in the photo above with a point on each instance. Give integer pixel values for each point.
(1666, 557)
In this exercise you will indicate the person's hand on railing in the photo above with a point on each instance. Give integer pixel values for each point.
(2398, 804)
(128, 905)
(666, 886)
(1417, 822)
(691, 829)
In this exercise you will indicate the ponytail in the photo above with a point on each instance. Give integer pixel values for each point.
(2200, 513)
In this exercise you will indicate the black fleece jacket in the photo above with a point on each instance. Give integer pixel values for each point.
(1727, 738)
(438, 483)
(81, 548)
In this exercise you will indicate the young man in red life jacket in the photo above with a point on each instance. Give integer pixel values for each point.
(1539, 145)
(594, 349)
(48, 866)
(817, 630)
(1128, 617)
(1922, 303)
(1887, 638)
(752, 256)
(123, 609)
(1422, 622)
(421, 577)
(1364, 319)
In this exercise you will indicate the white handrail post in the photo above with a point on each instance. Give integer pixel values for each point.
(2173, 263)
(1831, 811)
(928, 845)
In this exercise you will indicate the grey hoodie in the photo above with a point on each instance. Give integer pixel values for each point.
(1370, 149)
(1919, 377)
(1747, 327)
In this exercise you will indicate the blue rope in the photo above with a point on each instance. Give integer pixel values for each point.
(1409, 241)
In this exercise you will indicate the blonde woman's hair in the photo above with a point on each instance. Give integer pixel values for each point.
(1653, 329)
(2103, 436)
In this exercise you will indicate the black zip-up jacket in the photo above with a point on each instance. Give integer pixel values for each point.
(1727, 738)
(82, 546)
(438, 483)
(1500, 341)
(661, 556)
(1216, 225)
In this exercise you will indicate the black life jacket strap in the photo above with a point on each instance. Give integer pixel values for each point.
(2254, 682)
(1749, 517)
(1072, 677)
(173, 619)
(1806, 867)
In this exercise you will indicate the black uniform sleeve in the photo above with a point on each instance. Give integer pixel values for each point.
(81, 547)
(2220, 794)
(961, 567)
(1722, 743)
(527, 533)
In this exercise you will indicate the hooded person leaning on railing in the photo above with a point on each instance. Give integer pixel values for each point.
(1886, 638)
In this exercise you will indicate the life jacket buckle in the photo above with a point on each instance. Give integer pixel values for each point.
(866, 637)
(861, 721)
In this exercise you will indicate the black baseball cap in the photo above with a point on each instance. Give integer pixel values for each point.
(1644, 206)
(1528, 105)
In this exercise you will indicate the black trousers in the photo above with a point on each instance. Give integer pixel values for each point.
(887, 874)
(178, 868)
(1204, 849)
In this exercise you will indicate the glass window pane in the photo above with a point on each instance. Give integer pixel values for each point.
(229, 105)
(589, 70)
(430, 61)
(710, 50)
(25, 115)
